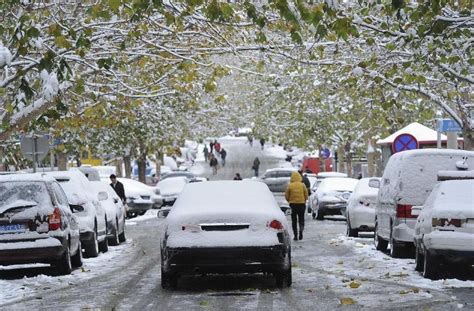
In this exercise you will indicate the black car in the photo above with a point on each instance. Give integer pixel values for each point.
(37, 224)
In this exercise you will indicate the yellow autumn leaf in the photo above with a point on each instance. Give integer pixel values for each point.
(354, 284)
(346, 301)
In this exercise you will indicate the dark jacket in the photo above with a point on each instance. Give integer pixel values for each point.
(307, 183)
(256, 163)
(223, 153)
(119, 190)
(213, 162)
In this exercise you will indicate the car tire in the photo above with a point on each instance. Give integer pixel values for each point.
(104, 245)
(92, 248)
(64, 265)
(168, 280)
(122, 237)
(353, 233)
(419, 259)
(397, 250)
(114, 241)
(430, 267)
(284, 278)
(76, 260)
(318, 215)
(380, 244)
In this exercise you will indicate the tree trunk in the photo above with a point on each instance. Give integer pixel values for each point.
(119, 167)
(159, 162)
(2, 165)
(128, 166)
(141, 162)
(468, 139)
(370, 158)
(341, 159)
(62, 161)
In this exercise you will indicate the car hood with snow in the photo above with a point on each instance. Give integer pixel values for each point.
(172, 186)
(225, 214)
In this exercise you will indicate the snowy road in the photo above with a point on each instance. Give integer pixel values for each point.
(329, 270)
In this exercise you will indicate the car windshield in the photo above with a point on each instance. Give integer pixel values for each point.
(23, 193)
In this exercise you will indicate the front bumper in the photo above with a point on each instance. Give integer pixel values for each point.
(332, 208)
(31, 251)
(225, 260)
(138, 208)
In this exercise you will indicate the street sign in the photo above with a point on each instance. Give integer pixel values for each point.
(325, 153)
(448, 125)
(404, 142)
(34, 147)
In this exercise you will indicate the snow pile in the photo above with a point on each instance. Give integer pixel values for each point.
(150, 214)
(224, 202)
(5, 56)
(50, 84)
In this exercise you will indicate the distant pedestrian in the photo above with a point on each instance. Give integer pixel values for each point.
(206, 153)
(223, 156)
(213, 163)
(118, 187)
(262, 142)
(237, 176)
(217, 147)
(305, 181)
(256, 166)
(211, 146)
(296, 194)
(308, 170)
(250, 139)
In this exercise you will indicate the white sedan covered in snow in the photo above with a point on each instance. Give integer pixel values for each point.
(444, 230)
(225, 227)
(360, 212)
(170, 188)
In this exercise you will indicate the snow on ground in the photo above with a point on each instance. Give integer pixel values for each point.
(150, 214)
(39, 278)
(275, 151)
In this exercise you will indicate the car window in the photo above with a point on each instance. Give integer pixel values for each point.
(60, 196)
(284, 174)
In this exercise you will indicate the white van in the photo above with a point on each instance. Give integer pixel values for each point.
(408, 179)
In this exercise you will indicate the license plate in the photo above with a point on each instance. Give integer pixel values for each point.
(12, 228)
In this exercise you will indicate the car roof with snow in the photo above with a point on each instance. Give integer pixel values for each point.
(229, 199)
(76, 186)
(455, 194)
(330, 174)
(338, 183)
(284, 169)
(26, 177)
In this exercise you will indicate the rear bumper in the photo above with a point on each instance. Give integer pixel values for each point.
(404, 231)
(453, 255)
(138, 208)
(449, 241)
(31, 251)
(225, 260)
(330, 208)
(362, 218)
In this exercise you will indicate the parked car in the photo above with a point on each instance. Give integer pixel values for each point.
(323, 175)
(407, 181)
(225, 227)
(139, 197)
(37, 224)
(444, 230)
(105, 171)
(361, 206)
(92, 219)
(170, 188)
(190, 176)
(90, 172)
(331, 197)
(277, 179)
(115, 211)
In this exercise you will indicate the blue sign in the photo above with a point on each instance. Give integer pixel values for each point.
(448, 125)
(325, 153)
(404, 142)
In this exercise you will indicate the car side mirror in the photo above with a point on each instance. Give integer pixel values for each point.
(374, 183)
(163, 213)
(103, 196)
(76, 208)
(416, 210)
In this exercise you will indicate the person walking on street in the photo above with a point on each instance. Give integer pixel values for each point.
(213, 163)
(296, 194)
(206, 153)
(237, 176)
(118, 187)
(306, 182)
(262, 142)
(255, 166)
(217, 147)
(211, 146)
(223, 156)
(250, 138)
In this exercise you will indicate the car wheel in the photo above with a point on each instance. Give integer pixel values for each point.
(64, 265)
(419, 260)
(122, 237)
(115, 239)
(353, 233)
(397, 250)
(76, 260)
(92, 248)
(284, 278)
(430, 267)
(380, 244)
(318, 214)
(168, 280)
(104, 245)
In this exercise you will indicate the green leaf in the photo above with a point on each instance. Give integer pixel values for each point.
(32, 32)
(370, 41)
(114, 5)
(62, 42)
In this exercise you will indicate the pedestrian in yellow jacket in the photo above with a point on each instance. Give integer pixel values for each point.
(296, 194)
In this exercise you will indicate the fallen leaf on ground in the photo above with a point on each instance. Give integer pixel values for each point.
(354, 284)
(346, 301)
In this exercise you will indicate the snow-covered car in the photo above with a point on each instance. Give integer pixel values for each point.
(90, 172)
(114, 209)
(225, 227)
(444, 230)
(139, 197)
(407, 181)
(277, 179)
(360, 212)
(190, 176)
(105, 171)
(92, 220)
(37, 224)
(331, 197)
(170, 189)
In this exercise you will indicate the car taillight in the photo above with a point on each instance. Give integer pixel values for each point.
(404, 211)
(55, 220)
(444, 222)
(275, 224)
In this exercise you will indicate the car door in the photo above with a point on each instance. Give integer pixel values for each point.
(67, 213)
